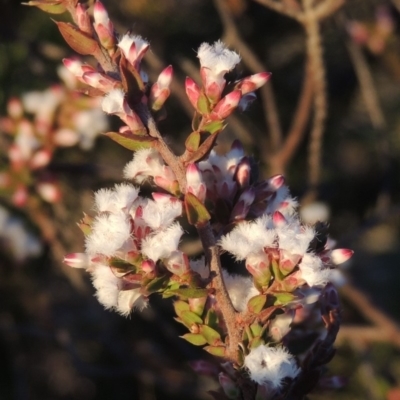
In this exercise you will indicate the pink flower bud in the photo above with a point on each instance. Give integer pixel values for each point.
(280, 325)
(74, 66)
(226, 105)
(148, 266)
(49, 191)
(165, 78)
(40, 159)
(99, 81)
(358, 32)
(100, 14)
(278, 219)
(242, 174)
(83, 19)
(259, 266)
(20, 196)
(242, 206)
(134, 48)
(192, 91)
(65, 137)
(103, 26)
(158, 97)
(177, 263)
(253, 82)
(340, 256)
(14, 108)
(195, 182)
(76, 260)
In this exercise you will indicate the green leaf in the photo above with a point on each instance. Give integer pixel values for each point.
(190, 318)
(277, 272)
(256, 329)
(157, 284)
(180, 306)
(218, 351)
(257, 341)
(121, 266)
(204, 149)
(213, 127)
(195, 338)
(52, 7)
(203, 105)
(256, 303)
(79, 41)
(283, 298)
(212, 336)
(197, 213)
(211, 319)
(193, 141)
(131, 141)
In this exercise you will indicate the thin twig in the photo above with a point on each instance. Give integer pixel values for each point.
(315, 56)
(280, 8)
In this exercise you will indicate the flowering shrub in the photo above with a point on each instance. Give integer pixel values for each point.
(251, 322)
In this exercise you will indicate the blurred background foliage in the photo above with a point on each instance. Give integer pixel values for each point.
(57, 342)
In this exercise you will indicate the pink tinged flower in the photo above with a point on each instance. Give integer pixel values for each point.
(75, 66)
(114, 102)
(312, 271)
(195, 182)
(246, 101)
(242, 206)
(20, 196)
(249, 238)
(271, 365)
(280, 325)
(160, 90)
(177, 263)
(215, 60)
(162, 244)
(103, 26)
(129, 300)
(148, 266)
(227, 105)
(100, 81)
(340, 256)
(40, 159)
(49, 191)
(242, 174)
(278, 219)
(240, 289)
(14, 108)
(253, 82)
(76, 260)
(134, 47)
(288, 261)
(65, 137)
(192, 91)
(83, 19)
(259, 266)
(16, 157)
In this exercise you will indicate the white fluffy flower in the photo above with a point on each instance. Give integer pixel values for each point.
(218, 58)
(89, 124)
(270, 365)
(200, 267)
(163, 243)
(126, 42)
(106, 284)
(129, 299)
(249, 238)
(117, 199)
(109, 234)
(312, 270)
(240, 289)
(113, 102)
(158, 214)
(295, 238)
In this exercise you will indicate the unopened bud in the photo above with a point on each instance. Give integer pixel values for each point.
(14, 108)
(340, 256)
(49, 191)
(195, 182)
(242, 206)
(83, 19)
(227, 105)
(242, 174)
(40, 159)
(253, 82)
(192, 91)
(76, 260)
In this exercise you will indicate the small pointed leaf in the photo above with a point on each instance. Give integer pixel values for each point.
(52, 7)
(157, 284)
(180, 306)
(189, 293)
(211, 319)
(213, 127)
(204, 149)
(195, 338)
(79, 41)
(193, 141)
(190, 318)
(203, 105)
(120, 266)
(218, 351)
(256, 329)
(257, 341)
(131, 141)
(283, 298)
(212, 336)
(256, 303)
(196, 212)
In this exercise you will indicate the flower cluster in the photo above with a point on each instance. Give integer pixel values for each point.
(132, 247)
(38, 124)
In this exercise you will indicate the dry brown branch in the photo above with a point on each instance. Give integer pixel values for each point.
(281, 159)
(232, 38)
(315, 57)
(389, 329)
(280, 8)
(367, 86)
